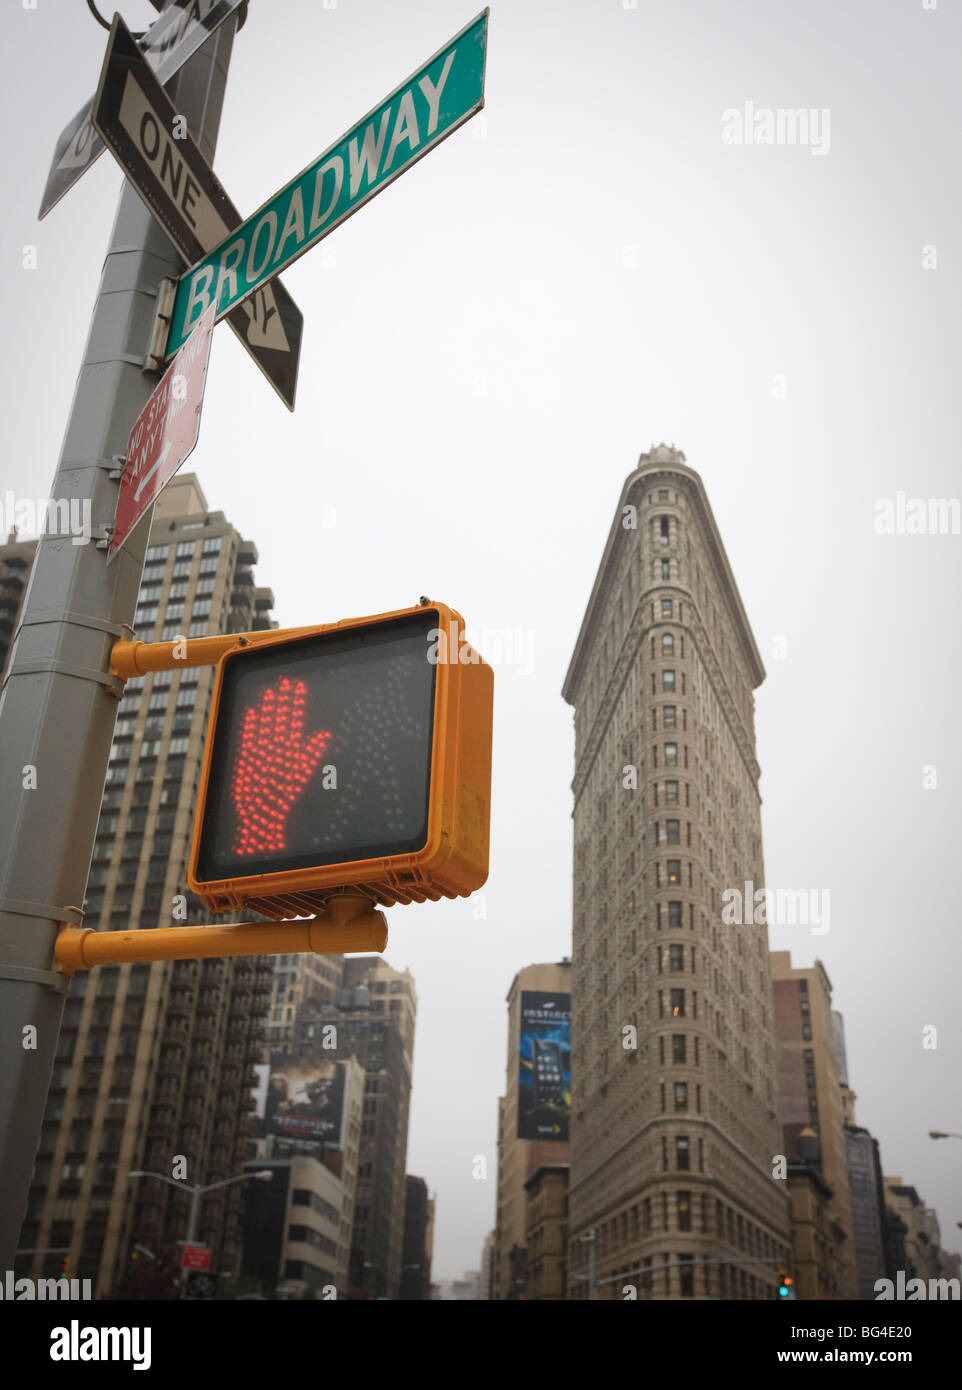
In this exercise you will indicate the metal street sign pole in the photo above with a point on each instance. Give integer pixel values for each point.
(181, 30)
(59, 703)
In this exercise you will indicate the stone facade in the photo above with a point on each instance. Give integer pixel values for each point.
(674, 1124)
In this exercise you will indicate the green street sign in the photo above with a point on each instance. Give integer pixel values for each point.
(445, 92)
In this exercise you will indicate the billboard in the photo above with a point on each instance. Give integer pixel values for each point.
(305, 1101)
(544, 1079)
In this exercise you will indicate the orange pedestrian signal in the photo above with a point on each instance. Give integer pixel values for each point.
(354, 755)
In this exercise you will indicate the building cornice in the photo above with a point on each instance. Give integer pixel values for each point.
(650, 471)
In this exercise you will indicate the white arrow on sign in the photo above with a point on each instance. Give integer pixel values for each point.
(159, 463)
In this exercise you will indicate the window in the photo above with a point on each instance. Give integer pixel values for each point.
(174, 611)
(810, 1080)
(686, 1275)
(676, 955)
(668, 680)
(157, 552)
(666, 569)
(681, 1095)
(674, 871)
(184, 549)
(682, 1157)
(674, 914)
(671, 791)
(668, 717)
(663, 529)
(673, 837)
(666, 607)
(171, 632)
(208, 565)
(678, 1047)
(807, 1032)
(667, 644)
(205, 585)
(684, 1211)
(677, 1003)
(662, 494)
(182, 569)
(201, 607)
(671, 759)
(211, 545)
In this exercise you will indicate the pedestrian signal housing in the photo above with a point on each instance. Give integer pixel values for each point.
(356, 755)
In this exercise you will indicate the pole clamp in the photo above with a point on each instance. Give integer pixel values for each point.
(73, 915)
(57, 615)
(66, 668)
(53, 979)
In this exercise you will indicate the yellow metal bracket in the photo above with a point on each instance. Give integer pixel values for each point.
(349, 923)
(138, 658)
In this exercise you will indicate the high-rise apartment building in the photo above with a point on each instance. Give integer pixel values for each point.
(154, 1068)
(372, 1009)
(16, 561)
(519, 1157)
(810, 1045)
(674, 1126)
(416, 1246)
(378, 1030)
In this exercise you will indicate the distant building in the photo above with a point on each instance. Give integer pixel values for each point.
(415, 1283)
(487, 1266)
(294, 1228)
(867, 1196)
(464, 1290)
(359, 1007)
(376, 1016)
(923, 1253)
(547, 1232)
(514, 1152)
(810, 1109)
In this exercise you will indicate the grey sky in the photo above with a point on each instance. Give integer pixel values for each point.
(585, 269)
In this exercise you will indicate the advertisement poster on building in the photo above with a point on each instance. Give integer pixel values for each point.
(544, 1082)
(305, 1102)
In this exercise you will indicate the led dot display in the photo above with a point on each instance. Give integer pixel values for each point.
(322, 751)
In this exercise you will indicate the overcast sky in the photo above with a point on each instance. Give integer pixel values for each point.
(582, 270)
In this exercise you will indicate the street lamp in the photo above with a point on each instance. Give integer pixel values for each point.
(197, 1190)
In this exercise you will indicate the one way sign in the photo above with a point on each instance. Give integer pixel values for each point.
(140, 126)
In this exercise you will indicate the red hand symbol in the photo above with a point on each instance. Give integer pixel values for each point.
(272, 766)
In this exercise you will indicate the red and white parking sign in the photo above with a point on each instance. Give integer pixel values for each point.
(165, 432)
(195, 1257)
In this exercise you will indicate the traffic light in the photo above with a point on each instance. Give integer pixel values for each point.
(356, 754)
(786, 1285)
(65, 1267)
